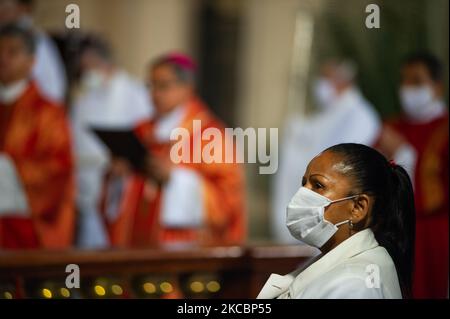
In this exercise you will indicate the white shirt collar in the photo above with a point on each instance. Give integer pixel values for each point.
(12, 92)
(167, 123)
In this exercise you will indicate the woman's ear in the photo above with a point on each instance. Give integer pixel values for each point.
(360, 210)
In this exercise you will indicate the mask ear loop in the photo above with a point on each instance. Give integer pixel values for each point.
(350, 222)
(347, 198)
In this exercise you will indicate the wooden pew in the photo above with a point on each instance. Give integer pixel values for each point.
(169, 272)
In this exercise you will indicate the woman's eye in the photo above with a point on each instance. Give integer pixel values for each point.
(318, 185)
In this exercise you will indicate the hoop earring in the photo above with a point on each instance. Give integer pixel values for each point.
(350, 224)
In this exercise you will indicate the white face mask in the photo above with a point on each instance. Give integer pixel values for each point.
(324, 93)
(415, 100)
(93, 79)
(305, 217)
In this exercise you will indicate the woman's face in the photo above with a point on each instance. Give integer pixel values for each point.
(325, 175)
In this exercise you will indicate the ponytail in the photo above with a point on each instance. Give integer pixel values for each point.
(392, 218)
(395, 230)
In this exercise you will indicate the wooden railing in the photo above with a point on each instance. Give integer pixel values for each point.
(205, 272)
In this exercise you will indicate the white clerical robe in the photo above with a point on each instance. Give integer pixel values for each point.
(122, 102)
(48, 70)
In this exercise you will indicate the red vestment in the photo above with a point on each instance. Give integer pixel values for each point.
(138, 222)
(34, 133)
(430, 140)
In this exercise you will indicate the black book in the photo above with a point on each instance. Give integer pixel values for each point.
(124, 144)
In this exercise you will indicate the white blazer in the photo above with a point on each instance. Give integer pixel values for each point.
(358, 268)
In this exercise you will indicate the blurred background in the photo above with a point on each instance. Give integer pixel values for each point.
(245, 51)
(258, 62)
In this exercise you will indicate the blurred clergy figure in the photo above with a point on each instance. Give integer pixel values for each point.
(35, 151)
(48, 70)
(344, 116)
(178, 203)
(110, 98)
(424, 126)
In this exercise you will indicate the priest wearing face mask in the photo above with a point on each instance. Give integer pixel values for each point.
(358, 209)
(48, 70)
(423, 127)
(109, 98)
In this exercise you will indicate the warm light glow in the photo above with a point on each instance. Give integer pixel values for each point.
(65, 292)
(149, 288)
(166, 287)
(7, 295)
(99, 290)
(117, 290)
(213, 286)
(47, 293)
(197, 286)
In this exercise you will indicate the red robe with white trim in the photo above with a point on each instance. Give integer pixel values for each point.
(34, 133)
(138, 221)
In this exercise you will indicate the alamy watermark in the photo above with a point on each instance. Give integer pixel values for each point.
(373, 276)
(73, 277)
(73, 16)
(212, 145)
(373, 18)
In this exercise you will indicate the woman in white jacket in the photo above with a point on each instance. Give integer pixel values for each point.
(358, 209)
